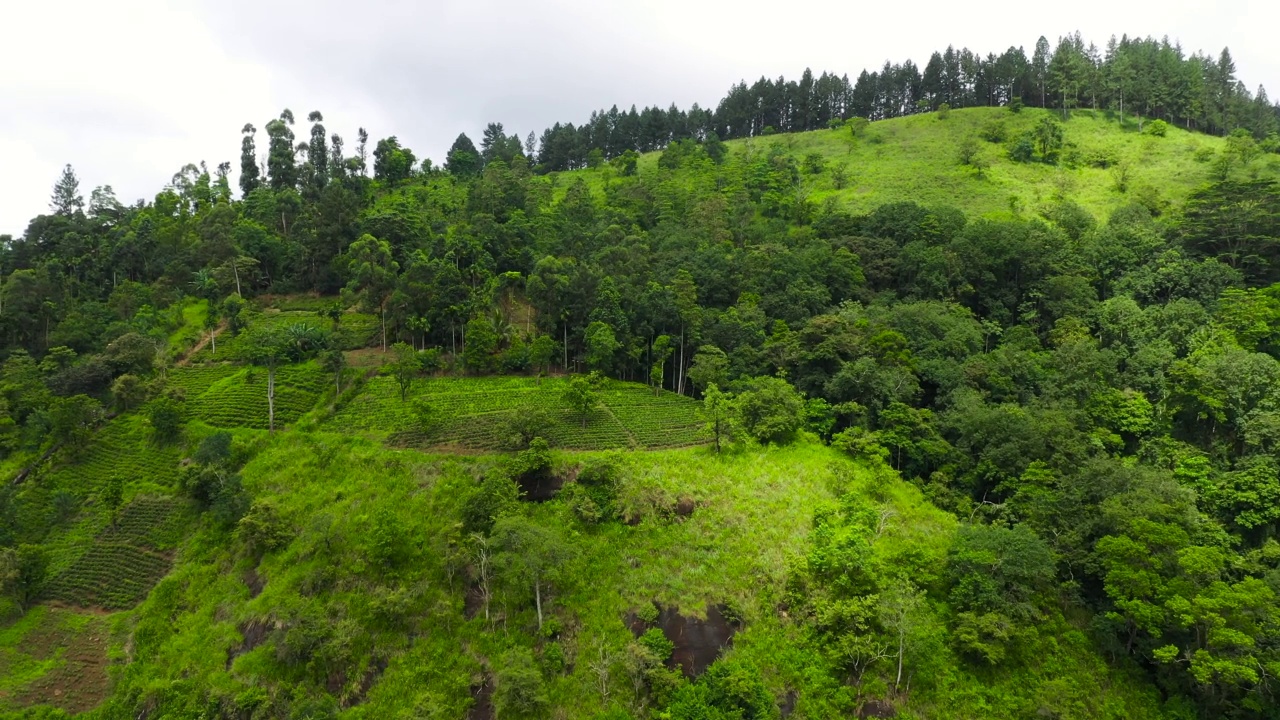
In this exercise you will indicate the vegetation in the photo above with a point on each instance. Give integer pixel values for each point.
(948, 393)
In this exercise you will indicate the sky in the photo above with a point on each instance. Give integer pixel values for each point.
(129, 91)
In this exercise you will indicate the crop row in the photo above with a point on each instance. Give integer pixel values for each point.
(240, 400)
(111, 575)
(150, 522)
(196, 379)
(121, 449)
(477, 413)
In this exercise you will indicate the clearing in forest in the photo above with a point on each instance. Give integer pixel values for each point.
(485, 413)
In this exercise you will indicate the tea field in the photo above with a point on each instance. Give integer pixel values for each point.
(480, 414)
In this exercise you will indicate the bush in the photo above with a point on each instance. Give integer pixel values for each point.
(944, 111)
(994, 131)
(262, 529)
(1023, 149)
(1156, 128)
(1015, 105)
(518, 687)
(165, 416)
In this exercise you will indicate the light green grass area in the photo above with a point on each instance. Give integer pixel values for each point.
(916, 158)
(751, 519)
(476, 414)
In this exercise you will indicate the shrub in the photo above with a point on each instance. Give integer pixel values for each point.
(262, 529)
(1023, 149)
(1156, 128)
(1015, 105)
(944, 111)
(994, 131)
(518, 687)
(165, 416)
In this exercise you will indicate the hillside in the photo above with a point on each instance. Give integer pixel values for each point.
(917, 158)
(991, 430)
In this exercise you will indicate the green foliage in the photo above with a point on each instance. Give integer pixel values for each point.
(770, 409)
(1156, 128)
(581, 397)
(519, 690)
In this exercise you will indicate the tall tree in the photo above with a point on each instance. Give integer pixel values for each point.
(371, 274)
(249, 176)
(66, 199)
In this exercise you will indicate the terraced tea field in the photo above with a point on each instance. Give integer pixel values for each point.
(126, 560)
(239, 398)
(122, 449)
(476, 413)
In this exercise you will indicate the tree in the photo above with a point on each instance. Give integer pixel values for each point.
(718, 409)
(518, 688)
(71, 419)
(268, 347)
(541, 350)
(601, 346)
(405, 367)
(660, 353)
(66, 199)
(480, 346)
(531, 555)
(250, 178)
(22, 573)
(128, 391)
(1040, 67)
(372, 276)
(1048, 138)
(391, 162)
(463, 159)
(334, 361)
(710, 367)
(164, 414)
(581, 397)
(770, 409)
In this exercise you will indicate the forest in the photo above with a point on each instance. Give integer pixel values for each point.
(1072, 401)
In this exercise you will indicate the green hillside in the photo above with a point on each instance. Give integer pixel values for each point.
(918, 158)
(961, 414)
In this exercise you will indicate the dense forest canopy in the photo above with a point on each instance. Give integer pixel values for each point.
(1097, 399)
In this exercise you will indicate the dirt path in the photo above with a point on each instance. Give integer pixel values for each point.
(204, 342)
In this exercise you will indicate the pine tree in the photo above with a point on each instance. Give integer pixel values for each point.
(66, 199)
(1040, 67)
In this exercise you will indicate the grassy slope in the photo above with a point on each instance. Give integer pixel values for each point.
(752, 517)
(753, 510)
(915, 158)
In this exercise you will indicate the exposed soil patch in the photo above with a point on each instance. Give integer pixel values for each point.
(482, 708)
(80, 682)
(376, 667)
(254, 632)
(473, 602)
(697, 642)
(878, 709)
(685, 507)
(788, 705)
(540, 487)
(254, 582)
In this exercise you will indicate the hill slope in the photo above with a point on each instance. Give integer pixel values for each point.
(917, 158)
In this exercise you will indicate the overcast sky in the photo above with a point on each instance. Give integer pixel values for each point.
(129, 91)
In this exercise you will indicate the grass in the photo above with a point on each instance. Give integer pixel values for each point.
(475, 414)
(751, 518)
(916, 158)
